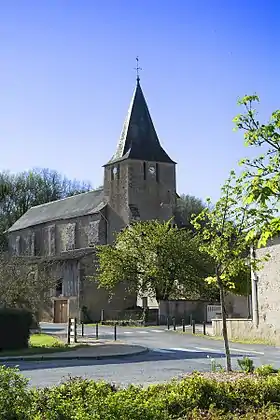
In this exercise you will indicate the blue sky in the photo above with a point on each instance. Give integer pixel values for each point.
(67, 78)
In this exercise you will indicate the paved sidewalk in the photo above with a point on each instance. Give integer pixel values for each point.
(95, 351)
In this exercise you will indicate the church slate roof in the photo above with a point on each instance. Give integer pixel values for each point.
(78, 205)
(139, 139)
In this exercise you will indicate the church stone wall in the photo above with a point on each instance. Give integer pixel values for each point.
(116, 189)
(26, 241)
(81, 232)
(95, 299)
(115, 224)
(48, 238)
(63, 235)
(153, 194)
(136, 190)
(70, 276)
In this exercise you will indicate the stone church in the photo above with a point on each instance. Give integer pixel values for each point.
(139, 184)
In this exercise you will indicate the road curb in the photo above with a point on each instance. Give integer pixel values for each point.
(52, 358)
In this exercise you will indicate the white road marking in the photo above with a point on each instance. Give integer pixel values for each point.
(157, 331)
(247, 351)
(142, 332)
(184, 349)
(161, 350)
(128, 332)
(210, 350)
(231, 349)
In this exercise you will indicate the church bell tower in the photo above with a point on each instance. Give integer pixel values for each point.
(140, 178)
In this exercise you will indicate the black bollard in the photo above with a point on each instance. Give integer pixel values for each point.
(102, 316)
(96, 331)
(193, 326)
(69, 331)
(168, 323)
(115, 332)
(75, 330)
(183, 325)
(204, 328)
(174, 323)
(83, 329)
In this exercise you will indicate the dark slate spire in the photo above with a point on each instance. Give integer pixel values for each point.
(139, 139)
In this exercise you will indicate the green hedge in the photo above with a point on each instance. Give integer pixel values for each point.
(192, 398)
(14, 328)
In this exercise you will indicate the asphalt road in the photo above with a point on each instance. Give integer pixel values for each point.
(171, 355)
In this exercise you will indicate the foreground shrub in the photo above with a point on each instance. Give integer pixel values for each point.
(175, 400)
(15, 327)
(265, 370)
(267, 413)
(15, 398)
(246, 365)
(195, 397)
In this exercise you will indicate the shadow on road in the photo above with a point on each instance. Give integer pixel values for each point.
(151, 356)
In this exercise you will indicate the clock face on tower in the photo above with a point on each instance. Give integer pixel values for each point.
(152, 170)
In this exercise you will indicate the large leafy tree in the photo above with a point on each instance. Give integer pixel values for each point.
(155, 259)
(261, 175)
(223, 229)
(187, 206)
(26, 283)
(19, 192)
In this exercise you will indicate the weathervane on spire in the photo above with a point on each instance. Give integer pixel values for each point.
(137, 68)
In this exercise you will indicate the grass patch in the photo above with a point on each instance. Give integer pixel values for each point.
(44, 340)
(42, 344)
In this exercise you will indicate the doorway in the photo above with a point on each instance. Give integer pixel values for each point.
(60, 311)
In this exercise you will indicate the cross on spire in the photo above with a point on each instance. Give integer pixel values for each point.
(137, 68)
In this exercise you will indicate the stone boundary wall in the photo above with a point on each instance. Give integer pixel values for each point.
(184, 309)
(239, 328)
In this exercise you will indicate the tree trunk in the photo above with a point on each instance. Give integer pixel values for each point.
(224, 322)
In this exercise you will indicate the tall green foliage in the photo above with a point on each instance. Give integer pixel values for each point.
(261, 175)
(223, 231)
(156, 259)
(187, 207)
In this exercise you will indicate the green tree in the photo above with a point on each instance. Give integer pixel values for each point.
(19, 192)
(187, 206)
(222, 230)
(261, 176)
(26, 282)
(155, 259)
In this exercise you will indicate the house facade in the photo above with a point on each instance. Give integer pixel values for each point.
(139, 184)
(266, 293)
(264, 320)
